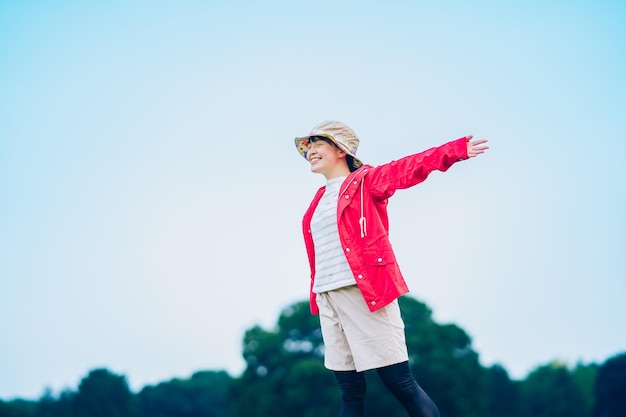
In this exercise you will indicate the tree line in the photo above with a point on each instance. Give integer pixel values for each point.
(284, 376)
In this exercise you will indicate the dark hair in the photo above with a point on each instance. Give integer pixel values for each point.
(350, 161)
(314, 139)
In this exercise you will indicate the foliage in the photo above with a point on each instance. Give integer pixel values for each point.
(443, 361)
(284, 373)
(502, 396)
(285, 376)
(204, 394)
(17, 408)
(441, 358)
(610, 388)
(103, 394)
(585, 377)
(551, 391)
(50, 407)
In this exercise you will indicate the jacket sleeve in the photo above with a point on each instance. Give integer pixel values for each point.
(406, 172)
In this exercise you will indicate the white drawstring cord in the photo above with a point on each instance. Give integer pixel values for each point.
(362, 220)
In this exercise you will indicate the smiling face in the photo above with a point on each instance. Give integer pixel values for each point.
(326, 158)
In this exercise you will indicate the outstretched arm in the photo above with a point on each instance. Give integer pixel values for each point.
(410, 170)
(474, 148)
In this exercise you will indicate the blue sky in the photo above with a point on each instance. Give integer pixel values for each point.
(151, 195)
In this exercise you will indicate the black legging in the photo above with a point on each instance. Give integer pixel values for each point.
(397, 378)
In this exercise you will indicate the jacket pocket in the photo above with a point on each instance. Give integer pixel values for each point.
(379, 258)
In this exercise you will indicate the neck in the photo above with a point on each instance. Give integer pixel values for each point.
(340, 171)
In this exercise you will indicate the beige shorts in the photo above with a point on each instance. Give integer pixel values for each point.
(354, 337)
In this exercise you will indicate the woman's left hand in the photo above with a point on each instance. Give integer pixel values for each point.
(476, 147)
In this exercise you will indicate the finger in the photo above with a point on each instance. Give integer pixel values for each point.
(475, 152)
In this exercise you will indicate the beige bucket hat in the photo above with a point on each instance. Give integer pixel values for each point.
(339, 133)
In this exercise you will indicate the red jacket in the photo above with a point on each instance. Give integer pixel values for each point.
(363, 223)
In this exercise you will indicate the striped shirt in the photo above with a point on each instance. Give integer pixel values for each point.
(332, 270)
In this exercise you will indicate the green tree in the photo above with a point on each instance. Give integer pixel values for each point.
(309, 390)
(5, 409)
(103, 394)
(610, 388)
(502, 395)
(443, 361)
(18, 408)
(284, 373)
(49, 406)
(585, 378)
(551, 391)
(286, 363)
(205, 394)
